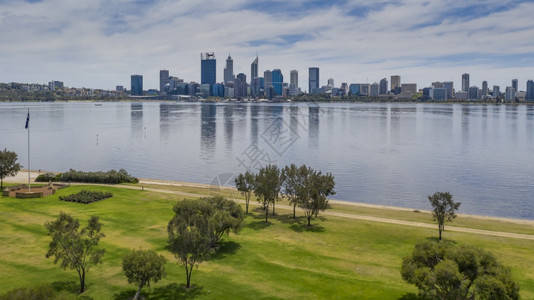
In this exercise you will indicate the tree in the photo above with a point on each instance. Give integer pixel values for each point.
(314, 192)
(76, 249)
(188, 234)
(444, 271)
(293, 178)
(245, 184)
(224, 216)
(443, 209)
(8, 165)
(267, 186)
(142, 267)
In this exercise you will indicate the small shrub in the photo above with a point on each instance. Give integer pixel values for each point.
(86, 197)
(46, 177)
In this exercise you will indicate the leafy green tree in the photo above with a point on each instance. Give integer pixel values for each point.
(314, 192)
(443, 271)
(293, 179)
(224, 216)
(8, 165)
(443, 209)
(76, 249)
(245, 184)
(142, 267)
(189, 237)
(267, 187)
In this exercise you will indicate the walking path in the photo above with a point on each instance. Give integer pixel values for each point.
(23, 177)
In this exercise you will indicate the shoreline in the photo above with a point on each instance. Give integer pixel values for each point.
(22, 177)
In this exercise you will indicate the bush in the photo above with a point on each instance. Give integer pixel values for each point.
(86, 197)
(110, 177)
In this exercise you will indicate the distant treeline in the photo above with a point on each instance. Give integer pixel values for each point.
(111, 177)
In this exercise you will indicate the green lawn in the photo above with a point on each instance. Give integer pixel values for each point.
(338, 259)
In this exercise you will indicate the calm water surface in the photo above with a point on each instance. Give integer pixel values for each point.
(389, 154)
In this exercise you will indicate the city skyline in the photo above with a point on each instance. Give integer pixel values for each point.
(100, 44)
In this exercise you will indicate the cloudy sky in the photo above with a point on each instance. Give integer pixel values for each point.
(100, 43)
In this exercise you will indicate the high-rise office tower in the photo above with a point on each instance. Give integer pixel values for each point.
(229, 70)
(313, 79)
(163, 80)
(530, 91)
(383, 87)
(254, 69)
(465, 82)
(375, 90)
(449, 86)
(330, 83)
(293, 83)
(496, 91)
(268, 84)
(485, 90)
(278, 80)
(515, 84)
(136, 85)
(208, 68)
(509, 94)
(395, 84)
(240, 86)
(473, 93)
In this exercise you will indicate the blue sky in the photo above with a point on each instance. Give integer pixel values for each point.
(99, 44)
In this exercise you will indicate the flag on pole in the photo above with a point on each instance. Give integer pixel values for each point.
(27, 120)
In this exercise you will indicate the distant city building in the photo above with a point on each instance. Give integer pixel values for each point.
(119, 88)
(257, 86)
(229, 70)
(396, 84)
(449, 86)
(485, 90)
(408, 90)
(365, 89)
(344, 89)
(268, 84)
(437, 84)
(426, 93)
(473, 93)
(530, 91)
(205, 89)
(294, 83)
(53, 85)
(254, 69)
(438, 94)
(509, 94)
(383, 87)
(313, 79)
(208, 68)
(217, 90)
(240, 85)
(465, 82)
(375, 90)
(461, 95)
(164, 79)
(277, 81)
(515, 84)
(496, 91)
(330, 83)
(136, 87)
(354, 89)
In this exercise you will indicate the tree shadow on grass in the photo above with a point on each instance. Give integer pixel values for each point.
(258, 225)
(175, 291)
(444, 240)
(303, 226)
(410, 296)
(67, 286)
(225, 249)
(128, 294)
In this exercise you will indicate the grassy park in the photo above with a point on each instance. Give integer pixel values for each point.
(337, 258)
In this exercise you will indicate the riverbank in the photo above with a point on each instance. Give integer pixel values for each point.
(342, 206)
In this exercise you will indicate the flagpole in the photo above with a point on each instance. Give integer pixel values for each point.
(28, 124)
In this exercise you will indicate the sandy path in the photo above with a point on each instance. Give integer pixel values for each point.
(23, 177)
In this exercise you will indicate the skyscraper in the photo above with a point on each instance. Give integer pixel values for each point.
(465, 82)
(268, 84)
(485, 90)
(383, 87)
(313, 79)
(395, 84)
(229, 70)
(473, 93)
(515, 84)
(530, 91)
(293, 83)
(136, 85)
(278, 80)
(509, 94)
(240, 86)
(254, 69)
(449, 86)
(208, 68)
(496, 91)
(163, 80)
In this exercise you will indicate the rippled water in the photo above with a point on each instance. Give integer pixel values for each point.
(390, 154)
